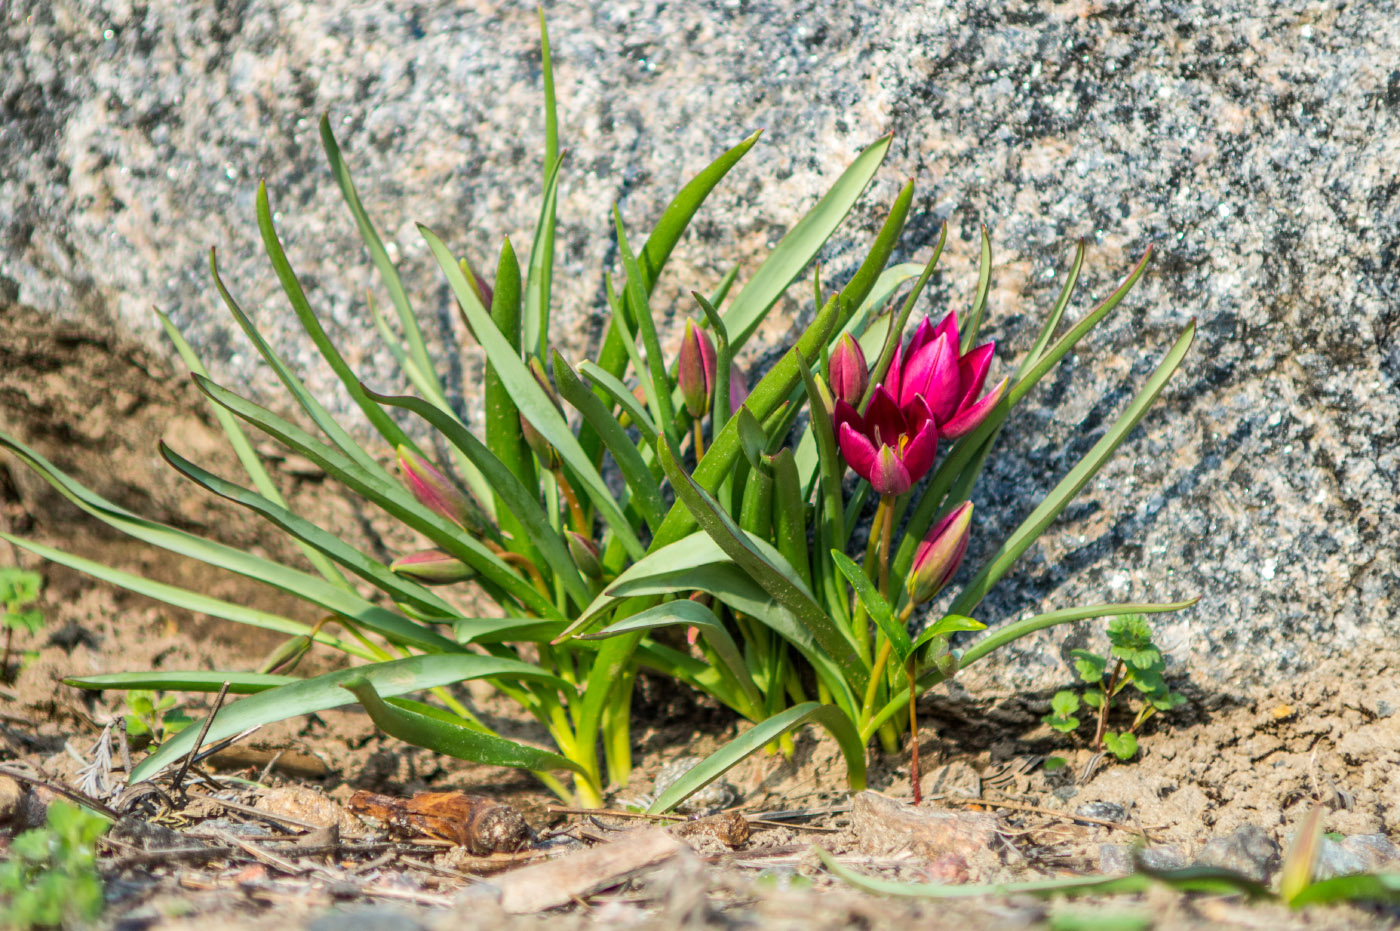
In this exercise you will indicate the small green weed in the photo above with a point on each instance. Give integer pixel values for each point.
(154, 715)
(50, 879)
(1136, 661)
(19, 591)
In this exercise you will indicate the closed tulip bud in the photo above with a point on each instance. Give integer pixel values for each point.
(433, 567)
(939, 554)
(585, 554)
(848, 373)
(695, 371)
(434, 490)
(738, 388)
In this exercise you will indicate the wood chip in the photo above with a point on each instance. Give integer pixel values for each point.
(560, 882)
(731, 828)
(482, 825)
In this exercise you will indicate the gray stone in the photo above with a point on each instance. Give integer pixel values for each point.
(1103, 811)
(1120, 859)
(1249, 850)
(1250, 142)
(372, 918)
(1359, 853)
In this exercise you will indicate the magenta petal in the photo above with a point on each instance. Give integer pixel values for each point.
(846, 414)
(916, 414)
(857, 451)
(972, 370)
(884, 421)
(894, 376)
(948, 326)
(940, 383)
(968, 420)
(920, 452)
(890, 477)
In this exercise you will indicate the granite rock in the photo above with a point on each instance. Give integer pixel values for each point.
(1252, 143)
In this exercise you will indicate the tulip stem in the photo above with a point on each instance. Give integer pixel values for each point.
(877, 675)
(699, 441)
(575, 509)
(914, 775)
(886, 532)
(522, 562)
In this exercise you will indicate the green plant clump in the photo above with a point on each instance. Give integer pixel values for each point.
(50, 877)
(1136, 661)
(607, 499)
(19, 592)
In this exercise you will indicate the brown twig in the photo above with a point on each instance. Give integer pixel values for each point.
(82, 798)
(198, 741)
(1036, 809)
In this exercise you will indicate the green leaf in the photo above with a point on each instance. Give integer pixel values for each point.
(1011, 632)
(503, 435)
(311, 588)
(1167, 702)
(1300, 860)
(646, 493)
(1089, 666)
(872, 267)
(440, 736)
(322, 693)
(388, 274)
(378, 487)
(973, 323)
(532, 401)
(165, 680)
(371, 570)
(539, 273)
(244, 450)
(728, 756)
(1047, 332)
(674, 220)
(691, 614)
(1094, 699)
(1123, 746)
(180, 597)
(790, 515)
(895, 334)
(1382, 888)
(523, 504)
(781, 581)
(1064, 703)
(646, 327)
(1063, 493)
(946, 625)
(875, 605)
(491, 630)
(801, 244)
(616, 390)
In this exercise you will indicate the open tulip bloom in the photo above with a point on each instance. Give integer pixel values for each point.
(587, 526)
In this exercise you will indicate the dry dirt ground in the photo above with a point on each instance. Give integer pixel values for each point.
(96, 405)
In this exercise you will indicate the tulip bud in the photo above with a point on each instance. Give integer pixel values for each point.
(433, 489)
(847, 371)
(696, 370)
(939, 554)
(432, 567)
(585, 554)
(738, 388)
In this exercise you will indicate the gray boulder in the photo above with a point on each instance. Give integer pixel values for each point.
(1251, 143)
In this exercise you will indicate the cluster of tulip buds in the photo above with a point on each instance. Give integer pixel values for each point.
(436, 492)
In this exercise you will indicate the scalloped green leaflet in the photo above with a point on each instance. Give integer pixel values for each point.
(322, 693)
(531, 399)
(389, 495)
(309, 587)
(725, 758)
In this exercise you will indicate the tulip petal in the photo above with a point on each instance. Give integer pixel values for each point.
(972, 370)
(920, 452)
(934, 374)
(857, 450)
(916, 414)
(968, 420)
(889, 476)
(948, 327)
(844, 413)
(884, 421)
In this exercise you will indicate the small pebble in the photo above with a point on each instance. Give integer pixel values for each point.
(1360, 853)
(1103, 811)
(1249, 851)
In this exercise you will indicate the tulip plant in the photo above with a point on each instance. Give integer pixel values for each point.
(632, 511)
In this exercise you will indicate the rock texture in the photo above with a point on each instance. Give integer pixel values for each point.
(1252, 143)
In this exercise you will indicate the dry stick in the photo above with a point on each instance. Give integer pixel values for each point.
(82, 798)
(185, 767)
(1036, 809)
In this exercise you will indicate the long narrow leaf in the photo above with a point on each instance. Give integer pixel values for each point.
(532, 401)
(307, 696)
(754, 739)
(875, 605)
(1052, 322)
(239, 683)
(1056, 501)
(801, 244)
(464, 743)
(616, 390)
(540, 270)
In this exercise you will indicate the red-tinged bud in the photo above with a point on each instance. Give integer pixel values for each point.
(695, 371)
(848, 373)
(432, 567)
(939, 555)
(738, 388)
(585, 554)
(434, 490)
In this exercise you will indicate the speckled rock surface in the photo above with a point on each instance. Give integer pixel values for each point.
(1253, 143)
